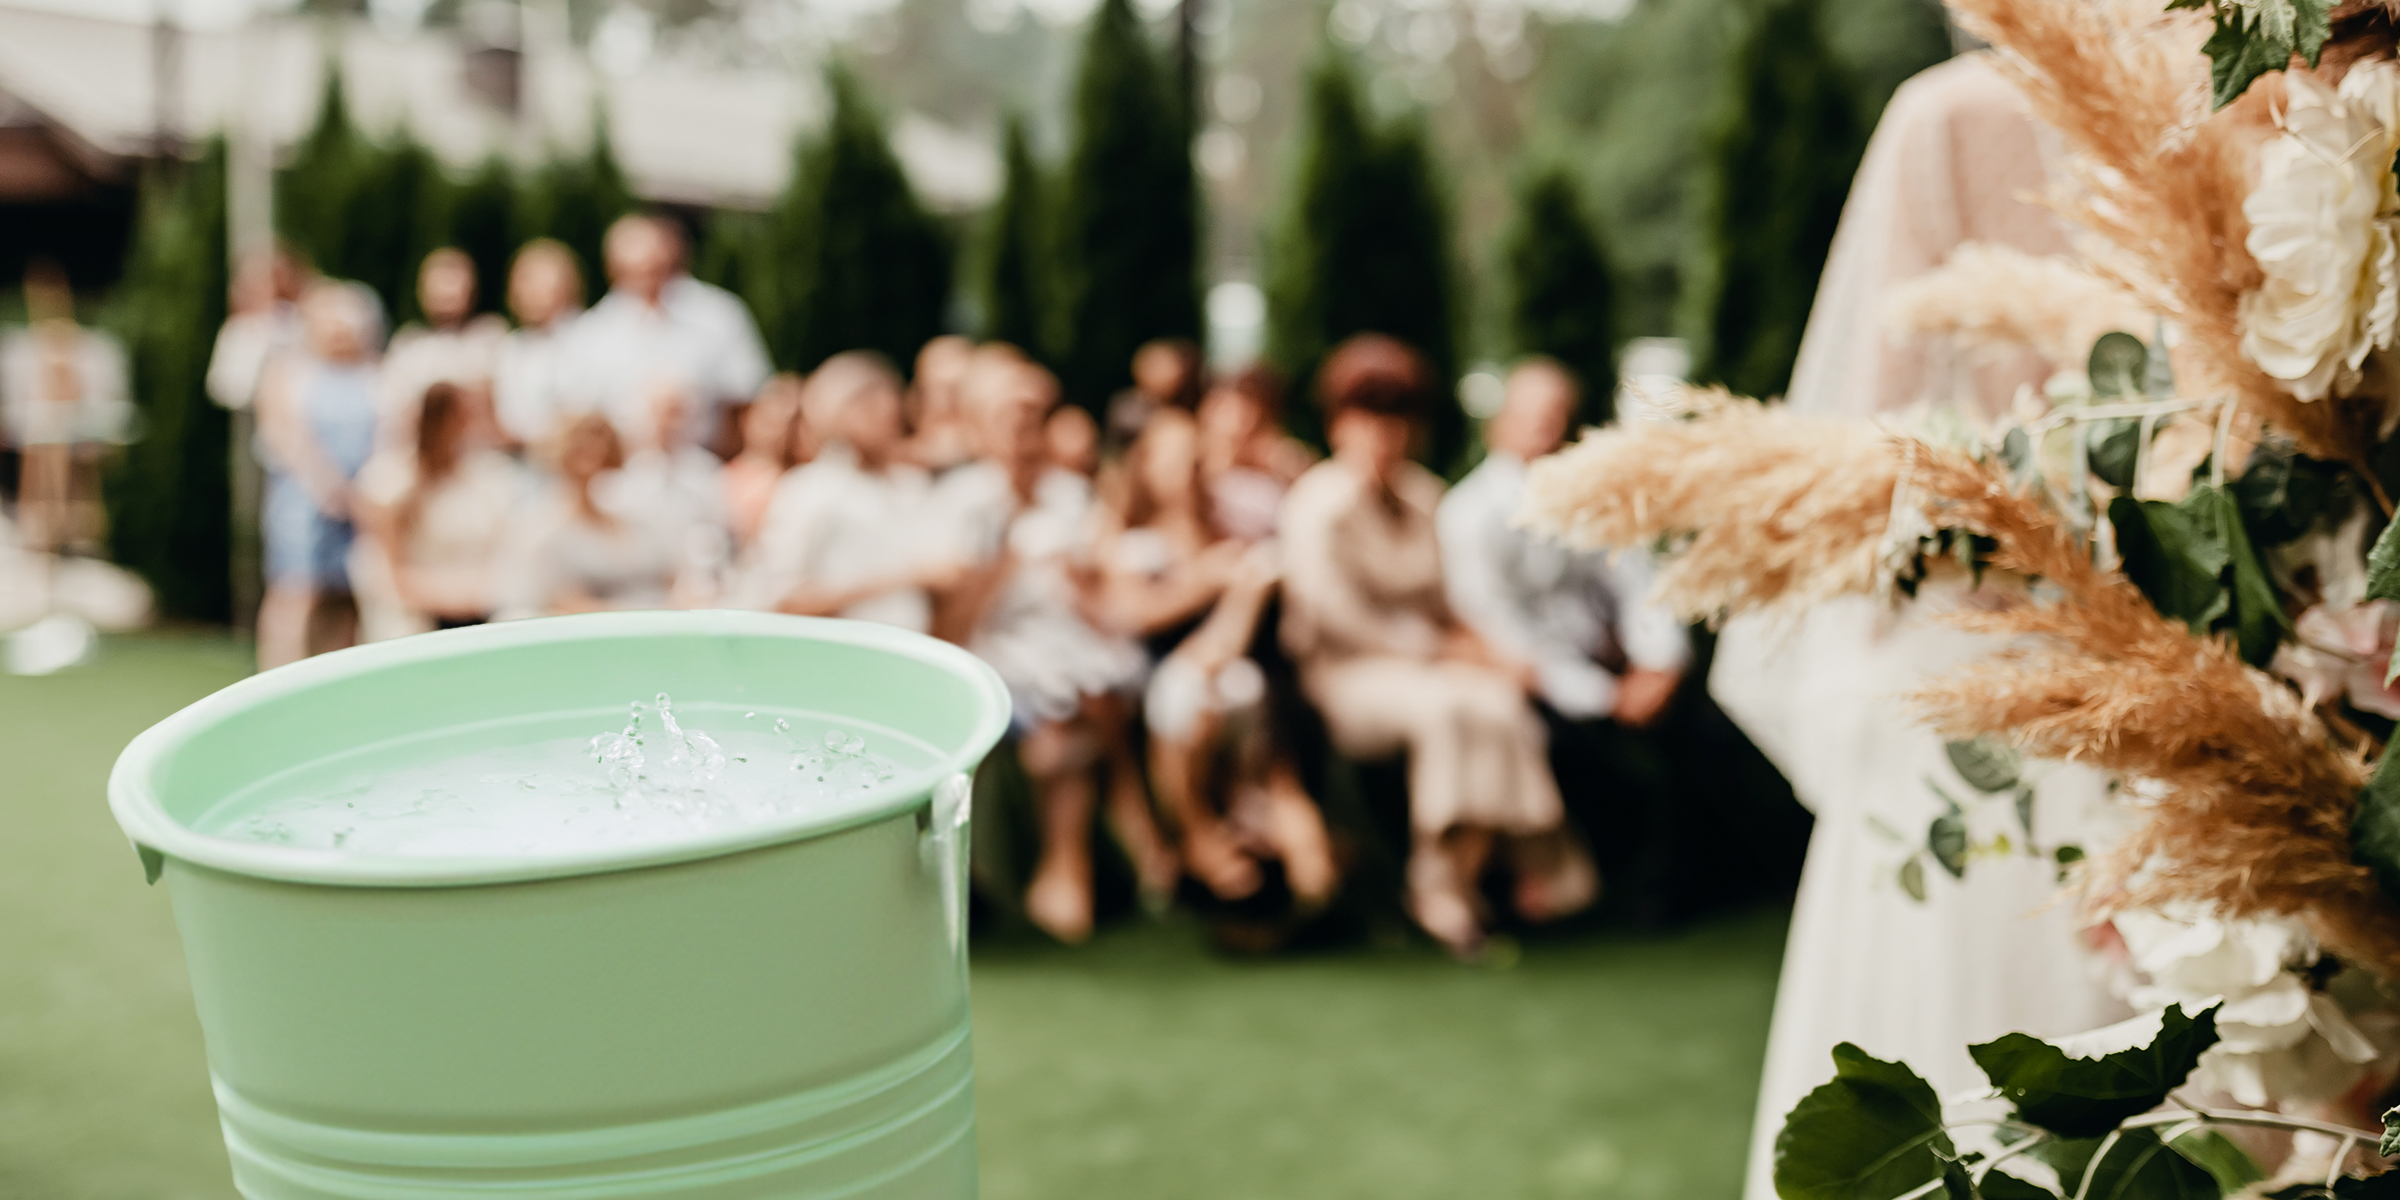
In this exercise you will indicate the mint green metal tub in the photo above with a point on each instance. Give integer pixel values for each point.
(775, 1011)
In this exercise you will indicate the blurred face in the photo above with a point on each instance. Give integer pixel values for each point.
(1535, 412)
(589, 447)
(1007, 403)
(767, 423)
(541, 289)
(1159, 371)
(446, 289)
(940, 366)
(641, 258)
(1073, 439)
(1170, 460)
(1375, 443)
(871, 420)
(1228, 418)
(332, 321)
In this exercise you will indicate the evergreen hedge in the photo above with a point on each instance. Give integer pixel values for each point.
(168, 498)
(1015, 283)
(1129, 212)
(1363, 244)
(1562, 299)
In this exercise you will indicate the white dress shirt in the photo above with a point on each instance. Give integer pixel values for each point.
(527, 395)
(697, 337)
(1565, 611)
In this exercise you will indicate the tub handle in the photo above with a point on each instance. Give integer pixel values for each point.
(154, 863)
(947, 842)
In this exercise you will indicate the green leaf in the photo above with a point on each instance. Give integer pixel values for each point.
(2283, 493)
(2173, 559)
(2375, 844)
(2115, 447)
(1987, 764)
(2016, 450)
(1873, 1132)
(2377, 1187)
(2138, 1167)
(1946, 840)
(2383, 565)
(2025, 814)
(2241, 50)
(1956, 1183)
(2258, 619)
(2000, 1185)
(2391, 1133)
(2087, 1097)
(1912, 878)
(2213, 1152)
(2117, 364)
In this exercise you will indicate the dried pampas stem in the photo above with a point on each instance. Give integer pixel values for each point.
(2252, 804)
(2161, 182)
(1779, 508)
(1995, 295)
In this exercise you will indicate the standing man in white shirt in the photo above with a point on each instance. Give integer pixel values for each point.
(658, 324)
(545, 291)
(1602, 661)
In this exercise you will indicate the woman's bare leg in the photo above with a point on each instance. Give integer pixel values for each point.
(283, 620)
(1297, 831)
(1155, 867)
(1058, 756)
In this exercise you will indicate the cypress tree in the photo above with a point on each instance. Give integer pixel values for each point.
(1013, 277)
(1785, 142)
(479, 224)
(1363, 245)
(1562, 300)
(1128, 249)
(360, 210)
(860, 264)
(167, 494)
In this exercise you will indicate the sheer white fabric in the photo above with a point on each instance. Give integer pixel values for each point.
(1955, 159)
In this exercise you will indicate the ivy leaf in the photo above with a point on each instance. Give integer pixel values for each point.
(1874, 1131)
(2375, 844)
(2138, 1167)
(2244, 46)
(1989, 765)
(2000, 1185)
(2259, 622)
(2282, 494)
(2087, 1097)
(2173, 559)
(2383, 565)
(2213, 1152)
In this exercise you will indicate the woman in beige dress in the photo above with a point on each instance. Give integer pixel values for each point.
(1393, 671)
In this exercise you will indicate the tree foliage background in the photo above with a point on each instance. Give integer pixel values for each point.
(1561, 300)
(1363, 245)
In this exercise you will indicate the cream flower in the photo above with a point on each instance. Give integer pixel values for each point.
(2325, 229)
(2281, 1040)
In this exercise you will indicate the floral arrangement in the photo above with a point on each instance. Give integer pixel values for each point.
(2184, 554)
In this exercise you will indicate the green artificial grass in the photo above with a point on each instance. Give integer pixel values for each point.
(1141, 1066)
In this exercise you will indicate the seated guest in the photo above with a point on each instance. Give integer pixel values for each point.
(1025, 527)
(1246, 459)
(1167, 373)
(1576, 623)
(939, 437)
(1392, 670)
(771, 446)
(572, 554)
(670, 483)
(1196, 597)
(545, 291)
(846, 534)
(437, 519)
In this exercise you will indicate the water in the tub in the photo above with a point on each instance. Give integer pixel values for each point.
(656, 779)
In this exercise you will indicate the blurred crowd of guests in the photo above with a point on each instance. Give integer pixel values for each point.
(1169, 589)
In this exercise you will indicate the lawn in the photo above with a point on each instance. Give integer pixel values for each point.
(1140, 1066)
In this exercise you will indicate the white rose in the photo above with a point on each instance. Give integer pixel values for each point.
(2325, 229)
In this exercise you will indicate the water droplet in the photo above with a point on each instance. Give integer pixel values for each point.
(782, 726)
(749, 716)
(833, 739)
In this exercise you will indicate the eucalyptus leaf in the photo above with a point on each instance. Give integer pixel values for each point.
(1988, 765)
(2282, 493)
(1912, 878)
(2016, 450)
(1874, 1131)
(2087, 1097)
(2175, 560)
(2117, 364)
(2375, 844)
(2025, 814)
(1946, 840)
(2115, 448)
